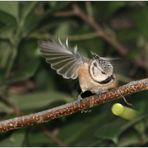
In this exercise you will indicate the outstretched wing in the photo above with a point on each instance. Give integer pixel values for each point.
(63, 59)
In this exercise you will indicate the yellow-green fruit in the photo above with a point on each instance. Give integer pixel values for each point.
(124, 112)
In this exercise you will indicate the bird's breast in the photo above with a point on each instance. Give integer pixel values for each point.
(87, 83)
(85, 80)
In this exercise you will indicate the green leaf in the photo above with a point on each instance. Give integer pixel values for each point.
(104, 10)
(27, 63)
(7, 21)
(39, 99)
(6, 33)
(30, 18)
(27, 8)
(112, 7)
(39, 139)
(44, 80)
(4, 108)
(5, 50)
(80, 130)
(55, 5)
(130, 138)
(63, 30)
(11, 8)
(16, 140)
(140, 101)
(140, 18)
(111, 131)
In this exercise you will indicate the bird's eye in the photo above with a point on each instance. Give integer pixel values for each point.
(103, 72)
(95, 64)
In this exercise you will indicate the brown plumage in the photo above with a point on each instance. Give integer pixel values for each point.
(95, 75)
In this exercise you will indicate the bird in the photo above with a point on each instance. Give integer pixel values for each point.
(95, 74)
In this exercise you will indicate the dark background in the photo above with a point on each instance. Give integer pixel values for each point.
(29, 85)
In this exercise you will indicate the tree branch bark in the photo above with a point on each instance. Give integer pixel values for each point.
(71, 108)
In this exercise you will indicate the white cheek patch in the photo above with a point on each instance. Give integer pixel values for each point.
(100, 77)
(97, 73)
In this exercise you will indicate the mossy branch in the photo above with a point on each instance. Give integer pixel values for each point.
(71, 108)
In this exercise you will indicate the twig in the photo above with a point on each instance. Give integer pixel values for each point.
(110, 39)
(53, 137)
(71, 108)
(7, 102)
(76, 11)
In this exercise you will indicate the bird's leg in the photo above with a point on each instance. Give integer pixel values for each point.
(100, 91)
(126, 101)
(83, 95)
(79, 98)
(79, 101)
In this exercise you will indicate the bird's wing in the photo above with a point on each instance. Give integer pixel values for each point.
(63, 59)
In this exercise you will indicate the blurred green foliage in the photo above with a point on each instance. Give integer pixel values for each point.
(28, 84)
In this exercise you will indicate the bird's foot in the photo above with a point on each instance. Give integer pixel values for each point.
(79, 99)
(129, 104)
(101, 91)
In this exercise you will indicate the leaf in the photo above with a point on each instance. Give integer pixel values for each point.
(140, 18)
(44, 80)
(5, 50)
(27, 63)
(26, 9)
(80, 129)
(7, 21)
(55, 5)
(6, 32)
(4, 108)
(16, 140)
(31, 19)
(111, 131)
(63, 30)
(39, 139)
(11, 8)
(110, 9)
(140, 101)
(130, 138)
(38, 100)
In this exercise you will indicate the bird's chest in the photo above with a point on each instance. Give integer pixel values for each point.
(85, 80)
(87, 83)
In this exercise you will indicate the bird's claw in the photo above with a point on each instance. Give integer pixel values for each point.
(79, 99)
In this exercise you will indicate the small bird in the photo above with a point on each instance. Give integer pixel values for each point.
(95, 75)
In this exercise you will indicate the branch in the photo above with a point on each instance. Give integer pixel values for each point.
(71, 108)
(76, 11)
(7, 102)
(110, 39)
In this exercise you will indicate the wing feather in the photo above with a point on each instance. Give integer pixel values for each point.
(63, 59)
